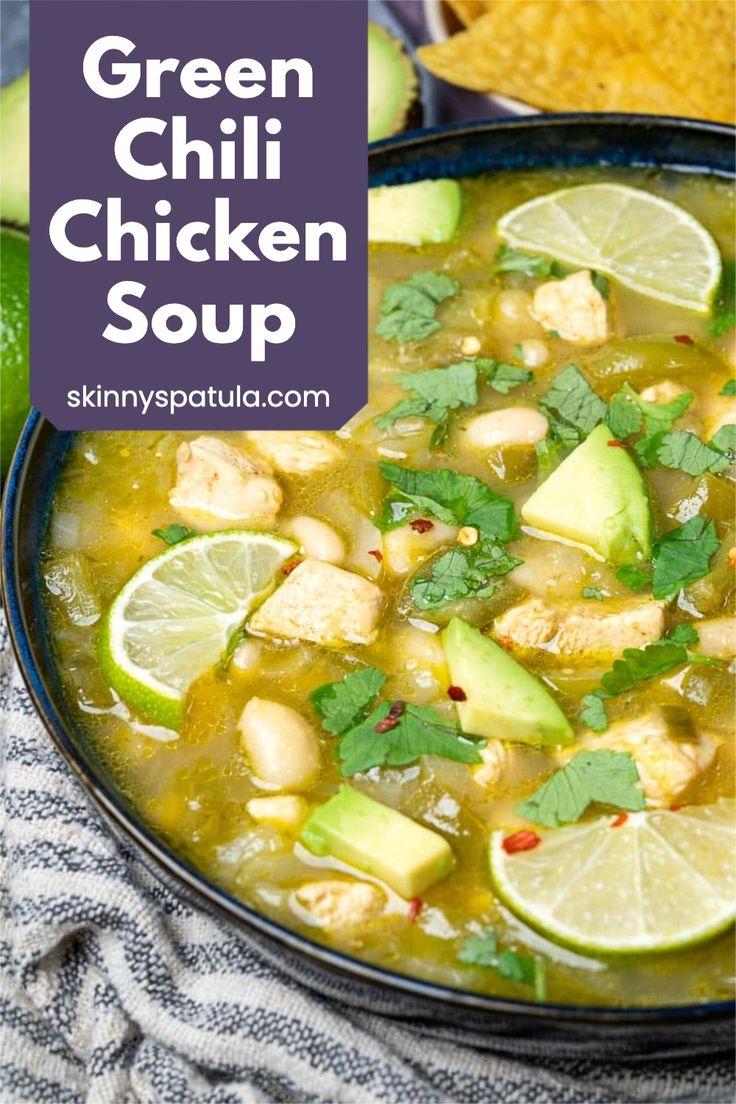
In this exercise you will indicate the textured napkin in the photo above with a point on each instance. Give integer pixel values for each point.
(114, 991)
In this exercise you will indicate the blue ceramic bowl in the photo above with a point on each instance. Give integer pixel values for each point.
(465, 149)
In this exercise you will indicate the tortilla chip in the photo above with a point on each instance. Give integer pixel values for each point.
(691, 42)
(632, 83)
(531, 49)
(467, 11)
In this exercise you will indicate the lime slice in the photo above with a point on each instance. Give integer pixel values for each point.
(645, 242)
(658, 882)
(173, 620)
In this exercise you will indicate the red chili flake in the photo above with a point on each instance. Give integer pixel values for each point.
(521, 841)
(620, 819)
(392, 717)
(676, 808)
(421, 525)
(289, 567)
(375, 554)
(506, 642)
(684, 339)
(415, 907)
(456, 693)
(616, 444)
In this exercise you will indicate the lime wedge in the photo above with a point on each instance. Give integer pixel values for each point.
(645, 242)
(173, 620)
(658, 882)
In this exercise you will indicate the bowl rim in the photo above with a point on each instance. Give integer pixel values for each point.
(197, 885)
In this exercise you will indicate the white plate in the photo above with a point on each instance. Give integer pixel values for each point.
(436, 14)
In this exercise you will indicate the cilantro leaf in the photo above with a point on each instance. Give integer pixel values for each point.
(482, 950)
(575, 407)
(449, 496)
(434, 393)
(685, 451)
(391, 738)
(408, 308)
(601, 776)
(593, 592)
(600, 283)
(725, 441)
(638, 665)
(629, 413)
(724, 311)
(502, 377)
(729, 389)
(682, 556)
(631, 575)
(340, 705)
(461, 572)
(515, 260)
(593, 714)
(173, 533)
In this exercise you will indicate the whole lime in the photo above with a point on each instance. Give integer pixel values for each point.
(14, 295)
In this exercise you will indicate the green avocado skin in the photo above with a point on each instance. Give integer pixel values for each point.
(14, 153)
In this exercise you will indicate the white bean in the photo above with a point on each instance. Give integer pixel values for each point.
(514, 425)
(513, 305)
(317, 538)
(281, 746)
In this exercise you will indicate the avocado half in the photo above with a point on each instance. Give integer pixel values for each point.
(14, 156)
(392, 86)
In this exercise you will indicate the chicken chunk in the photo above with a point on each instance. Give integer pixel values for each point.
(218, 485)
(495, 762)
(577, 629)
(667, 764)
(573, 308)
(321, 603)
(340, 905)
(296, 453)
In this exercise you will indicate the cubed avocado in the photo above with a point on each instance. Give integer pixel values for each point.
(379, 840)
(427, 211)
(595, 498)
(502, 700)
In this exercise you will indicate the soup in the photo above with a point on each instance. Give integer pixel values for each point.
(498, 605)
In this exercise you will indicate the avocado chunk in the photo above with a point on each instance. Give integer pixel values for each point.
(379, 840)
(595, 498)
(392, 84)
(502, 700)
(14, 195)
(427, 211)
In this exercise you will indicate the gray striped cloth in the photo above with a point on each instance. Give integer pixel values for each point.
(114, 991)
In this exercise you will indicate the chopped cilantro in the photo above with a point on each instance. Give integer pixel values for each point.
(682, 556)
(573, 406)
(729, 389)
(638, 665)
(529, 264)
(634, 576)
(724, 310)
(173, 533)
(434, 394)
(603, 777)
(502, 377)
(340, 705)
(628, 413)
(461, 573)
(449, 496)
(593, 592)
(393, 734)
(685, 452)
(482, 950)
(408, 308)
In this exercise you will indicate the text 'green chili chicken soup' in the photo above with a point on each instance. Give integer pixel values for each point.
(451, 689)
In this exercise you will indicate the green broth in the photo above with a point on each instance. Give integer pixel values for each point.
(113, 491)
